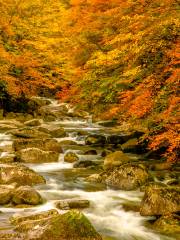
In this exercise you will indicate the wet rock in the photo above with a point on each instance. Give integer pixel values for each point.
(160, 201)
(91, 152)
(8, 159)
(72, 204)
(43, 144)
(132, 146)
(10, 236)
(161, 166)
(36, 102)
(116, 159)
(105, 152)
(5, 194)
(78, 113)
(116, 139)
(71, 157)
(33, 123)
(7, 147)
(58, 133)
(131, 206)
(68, 142)
(84, 164)
(10, 173)
(169, 224)
(6, 127)
(28, 133)
(26, 195)
(15, 220)
(127, 177)
(110, 123)
(95, 139)
(123, 137)
(72, 225)
(94, 178)
(36, 155)
(54, 131)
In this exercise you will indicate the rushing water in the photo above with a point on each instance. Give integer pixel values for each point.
(106, 210)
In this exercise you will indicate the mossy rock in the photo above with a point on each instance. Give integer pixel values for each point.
(127, 177)
(72, 225)
(169, 224)
(22, 175)
(160, 201)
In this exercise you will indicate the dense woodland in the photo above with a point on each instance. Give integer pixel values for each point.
(116, 59)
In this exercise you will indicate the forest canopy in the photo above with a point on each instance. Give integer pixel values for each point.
(117, 59)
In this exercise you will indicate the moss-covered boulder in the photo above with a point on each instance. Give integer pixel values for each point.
(46, 144)
(116, 159)
(28, 133)
(71, 157)
(36, 155)
(68, 142)
(6, 192)
(72, 225)
(95, 139)
(22, 175)
(54, 131)
(132, 146)
(26, 195)
(15, 220)
(94, 178)
(160, 200)
(168, 224)
(127, 177)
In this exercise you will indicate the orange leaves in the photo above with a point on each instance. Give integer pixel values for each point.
(141, 105)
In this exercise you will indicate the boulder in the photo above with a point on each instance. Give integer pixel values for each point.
(43, 144)
(28, 133)
(72, 204)
(16, 219)
(5, 194)
(110, 123)
(68, 142)
(160, 200)
(132, 146)
(116, 159)
(95, 139)
(72, 225)
(94, 178)
(84, 164)
(116, 139)
(36, 155)
(36, 102)
(168, 224)
(71, 157)
(33, 123)
(91, 152)
(7, 159)
(26, 195)
(54, 131)
(22, 175)
(127, 177)
(6, 127)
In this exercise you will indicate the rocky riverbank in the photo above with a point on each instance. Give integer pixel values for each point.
(98, 155)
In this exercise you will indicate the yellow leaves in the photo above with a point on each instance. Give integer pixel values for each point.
(132, 72)
(100, 58)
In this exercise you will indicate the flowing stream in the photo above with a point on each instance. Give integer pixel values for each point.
(106, 212)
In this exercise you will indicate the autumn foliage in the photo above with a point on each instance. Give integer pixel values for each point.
(117, 59)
